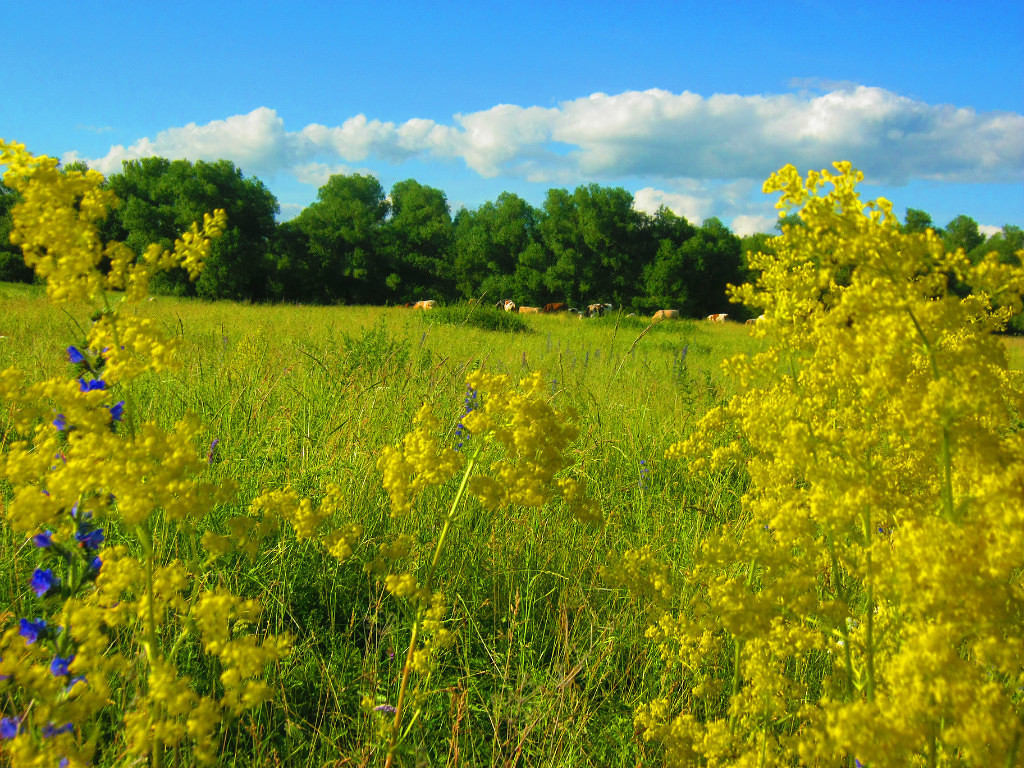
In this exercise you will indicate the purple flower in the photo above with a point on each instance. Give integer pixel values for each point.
(43, 540)
(73, 680)
(31, 630)
(88, 537)
(387, 709)
(212, 453)
(43, 581)
(59, 666)
(60, 422)
(9, 727)
(91, 386)
(49, 731)
(117, 411)
(75, 356)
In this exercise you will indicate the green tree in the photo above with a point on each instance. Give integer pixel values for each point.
(419, 243)
(594, 237)
(917, 221)
(718, 255)
(488, 243)
(161, 198)
(962, 232)
(332, 252)
(12, 264)
(668, 276)
(1006, 243)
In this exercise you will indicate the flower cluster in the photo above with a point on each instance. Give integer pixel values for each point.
(868, 608)
(110, 621)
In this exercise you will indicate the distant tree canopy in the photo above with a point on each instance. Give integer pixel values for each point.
(161, 198)
(357, 244)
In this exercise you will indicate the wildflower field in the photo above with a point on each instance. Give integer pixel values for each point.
(286, 535)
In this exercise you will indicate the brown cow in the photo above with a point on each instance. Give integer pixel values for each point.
(555, 307)
(717, 318)
(595, 310)
(666, 314)
(529, 310)
(425, 304)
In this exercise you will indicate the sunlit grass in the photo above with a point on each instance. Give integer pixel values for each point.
(549, 661)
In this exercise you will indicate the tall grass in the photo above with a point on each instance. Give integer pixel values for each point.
(549, 661)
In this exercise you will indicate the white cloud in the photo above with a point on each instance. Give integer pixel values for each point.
(654, 136)
(750, 225)
(693, 208)
(988, 230)
(256, 142)
(317, 174)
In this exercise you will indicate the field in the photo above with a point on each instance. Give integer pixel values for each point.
(255, 535)
(548, 660)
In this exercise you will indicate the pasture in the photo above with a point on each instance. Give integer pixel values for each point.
(549, 661)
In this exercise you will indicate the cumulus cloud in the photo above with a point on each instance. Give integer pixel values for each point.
(655, 136)
(317, 174)
(750, 225)
(694, 208)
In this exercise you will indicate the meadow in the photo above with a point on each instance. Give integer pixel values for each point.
(292, 535)
(548, 661)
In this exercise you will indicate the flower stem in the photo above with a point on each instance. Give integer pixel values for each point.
(396, 727)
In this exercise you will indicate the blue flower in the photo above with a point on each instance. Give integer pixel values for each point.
(43, 581)
(49, 731)
(117, 411)
(211, 454)
(75, 356)
(95, 564)
(31, 630)
(9, 727)
(43, 540)
(90, 386)
(61, 423)
(59, 666)
(88, 537)
(387, 709)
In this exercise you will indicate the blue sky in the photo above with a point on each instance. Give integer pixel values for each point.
(684, 104)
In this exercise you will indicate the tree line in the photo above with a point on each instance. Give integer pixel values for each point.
(357, 244)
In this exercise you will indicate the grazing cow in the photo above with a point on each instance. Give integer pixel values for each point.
(425, 304)
(529, 310)
(509, 306)
(717, 318)
(595, 310)
(666, 314)
(555, 307)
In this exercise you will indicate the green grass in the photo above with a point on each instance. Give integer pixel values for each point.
(549, 662)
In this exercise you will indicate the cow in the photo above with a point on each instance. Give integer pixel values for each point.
(557, 306)
(717, 318)
(595, 310)
(425, 304)
(529, 310)
(666, 314)
(509, 305)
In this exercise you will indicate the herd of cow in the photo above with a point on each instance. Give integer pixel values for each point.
(592, 310)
